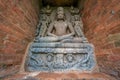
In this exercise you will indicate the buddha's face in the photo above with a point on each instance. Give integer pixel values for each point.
(60, 16)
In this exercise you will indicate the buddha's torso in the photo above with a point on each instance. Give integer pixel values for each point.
(60, 28)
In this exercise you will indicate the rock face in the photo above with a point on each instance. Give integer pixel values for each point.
(60, 44)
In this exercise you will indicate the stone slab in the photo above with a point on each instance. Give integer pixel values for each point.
(58, 50)
(61, 45)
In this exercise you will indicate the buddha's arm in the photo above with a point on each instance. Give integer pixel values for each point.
(71, 29)
(72, 33)
(50, 30)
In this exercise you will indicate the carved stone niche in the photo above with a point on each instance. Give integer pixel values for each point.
(56, 49)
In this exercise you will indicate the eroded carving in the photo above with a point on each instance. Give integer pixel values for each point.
(61, 44)
(47, 10)
(74, 10)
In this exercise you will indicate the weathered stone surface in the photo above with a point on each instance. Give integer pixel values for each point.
(63, 51)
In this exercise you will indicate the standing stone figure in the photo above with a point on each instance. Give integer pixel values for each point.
(78, 26)
(44, 26)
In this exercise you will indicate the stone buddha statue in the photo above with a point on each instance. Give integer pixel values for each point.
(60, 30)
(59, 27)
(60, 44)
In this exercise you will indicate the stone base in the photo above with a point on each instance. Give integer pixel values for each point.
(62, 57)
(61, 76)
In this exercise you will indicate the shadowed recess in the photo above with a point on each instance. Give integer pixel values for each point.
(60, 2)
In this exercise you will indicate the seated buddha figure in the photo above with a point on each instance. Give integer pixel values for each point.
(60, 30)
(59, 27)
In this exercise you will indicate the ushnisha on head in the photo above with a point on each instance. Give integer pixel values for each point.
(60, 13)
(60, 9)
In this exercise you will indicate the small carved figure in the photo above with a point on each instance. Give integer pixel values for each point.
(74, 10)
(47, 10)
(78, 26)
(43, 28)
(78, 21)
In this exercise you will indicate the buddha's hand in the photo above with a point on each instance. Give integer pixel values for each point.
(65, 37)
(52, 35)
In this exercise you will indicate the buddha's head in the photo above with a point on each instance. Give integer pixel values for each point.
(60, 9)
(60, 13)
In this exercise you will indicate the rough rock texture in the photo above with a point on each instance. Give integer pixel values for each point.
(102, 28)
(18, 20)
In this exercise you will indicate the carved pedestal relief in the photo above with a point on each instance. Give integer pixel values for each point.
(60, 44)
